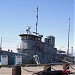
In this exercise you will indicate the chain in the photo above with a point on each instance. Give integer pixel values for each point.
(53, 68)
(72, 68)
(31, 72)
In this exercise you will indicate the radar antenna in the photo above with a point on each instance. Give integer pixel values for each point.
(28, 30)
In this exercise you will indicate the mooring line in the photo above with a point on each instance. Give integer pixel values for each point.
(72, 68)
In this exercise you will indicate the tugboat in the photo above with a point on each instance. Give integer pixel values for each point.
(40, 52)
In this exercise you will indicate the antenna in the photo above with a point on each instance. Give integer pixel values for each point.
(37, 20)
(68, 36)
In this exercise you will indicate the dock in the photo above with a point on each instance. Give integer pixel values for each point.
(30, 70)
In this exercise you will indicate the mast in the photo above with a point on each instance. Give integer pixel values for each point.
(72, 51)
(1, 43)
(68, 36)
(37, 20)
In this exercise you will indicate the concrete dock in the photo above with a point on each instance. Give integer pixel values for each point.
(30, 70)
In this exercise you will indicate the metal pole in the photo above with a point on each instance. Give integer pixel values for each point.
(68, 36)
(16, 70)
(1, 44)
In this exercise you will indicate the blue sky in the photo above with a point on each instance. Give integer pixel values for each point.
(16, 15)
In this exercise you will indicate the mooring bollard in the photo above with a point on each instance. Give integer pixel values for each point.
(16, 70)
